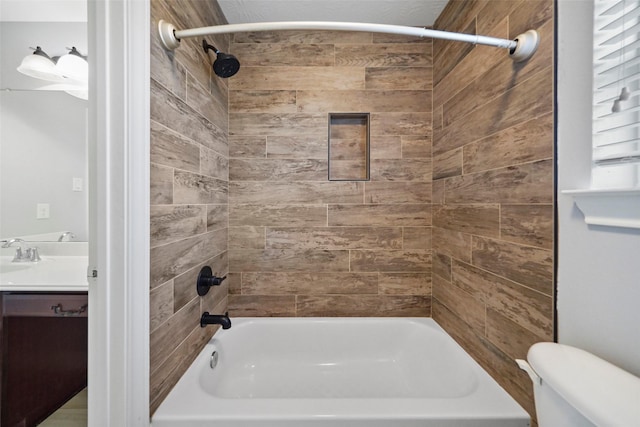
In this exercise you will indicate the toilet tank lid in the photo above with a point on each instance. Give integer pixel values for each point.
(602, 392)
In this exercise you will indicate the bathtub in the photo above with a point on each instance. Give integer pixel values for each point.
(352, 372)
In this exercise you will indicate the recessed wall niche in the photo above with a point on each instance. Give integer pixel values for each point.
(349, 146)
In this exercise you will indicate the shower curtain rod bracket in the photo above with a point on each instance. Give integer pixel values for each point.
(526, 45)
(168, 35)
(520, 49)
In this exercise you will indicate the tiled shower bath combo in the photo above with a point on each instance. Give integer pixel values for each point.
(455, 223)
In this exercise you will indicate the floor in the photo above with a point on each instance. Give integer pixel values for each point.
(71, 414)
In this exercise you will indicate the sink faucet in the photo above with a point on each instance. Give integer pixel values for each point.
(66, 234)
(215, 319)
(23, 252)
(8, 243)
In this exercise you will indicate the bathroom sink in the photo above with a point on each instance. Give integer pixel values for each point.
(7, 265)
(52, 273)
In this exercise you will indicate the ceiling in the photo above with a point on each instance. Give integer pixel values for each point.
(43, 10)
(417, 13)
(394, 12)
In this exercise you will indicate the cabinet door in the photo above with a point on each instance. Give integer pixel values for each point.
(44, 355)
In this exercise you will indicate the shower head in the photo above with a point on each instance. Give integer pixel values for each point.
(225, 65)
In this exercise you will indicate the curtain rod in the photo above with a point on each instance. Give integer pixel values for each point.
(520, 49)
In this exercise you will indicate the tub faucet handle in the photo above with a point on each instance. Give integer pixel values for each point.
(206, 279)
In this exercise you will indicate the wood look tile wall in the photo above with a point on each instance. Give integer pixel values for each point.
(189, 191)
(456, 221)
(493, 187)
(300, 245)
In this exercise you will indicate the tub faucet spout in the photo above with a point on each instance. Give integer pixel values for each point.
(215, 319)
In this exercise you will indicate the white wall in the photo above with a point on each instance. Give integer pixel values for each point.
(598, 267)
(43, 147)
(43, 10)
(43, 142)
(17, 37)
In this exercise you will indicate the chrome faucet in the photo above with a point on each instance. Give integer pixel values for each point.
(65, 234)
(8, 243)
(23, 252)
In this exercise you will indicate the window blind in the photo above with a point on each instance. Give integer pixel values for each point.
(616, 106)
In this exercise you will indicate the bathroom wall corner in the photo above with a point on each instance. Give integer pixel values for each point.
(493, 216)
(189, 188)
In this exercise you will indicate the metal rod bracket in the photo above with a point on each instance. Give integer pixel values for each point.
(527, 44)
(168, 35)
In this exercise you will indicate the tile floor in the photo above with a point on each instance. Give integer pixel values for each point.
(71, 414)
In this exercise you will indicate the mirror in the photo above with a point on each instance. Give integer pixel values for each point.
(43, 140)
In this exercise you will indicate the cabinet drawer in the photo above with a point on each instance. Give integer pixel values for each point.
(45, 305)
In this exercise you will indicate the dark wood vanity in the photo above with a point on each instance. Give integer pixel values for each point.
(43, 353)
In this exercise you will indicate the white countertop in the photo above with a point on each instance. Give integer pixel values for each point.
(51, 274)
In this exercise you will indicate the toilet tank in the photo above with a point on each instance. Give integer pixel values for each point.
(576, 388)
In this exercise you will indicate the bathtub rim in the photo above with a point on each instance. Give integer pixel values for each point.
(406, 375)
(488, 402)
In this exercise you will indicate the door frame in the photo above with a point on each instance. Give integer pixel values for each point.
(119, 53)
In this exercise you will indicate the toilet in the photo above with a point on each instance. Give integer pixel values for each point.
(575, 388)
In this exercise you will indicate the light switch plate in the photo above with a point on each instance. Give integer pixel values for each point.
(77, 184)
(42, 211)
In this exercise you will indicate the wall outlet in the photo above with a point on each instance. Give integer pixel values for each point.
(77, 184)
(42, 211)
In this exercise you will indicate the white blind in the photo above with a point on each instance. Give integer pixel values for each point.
(616, 109)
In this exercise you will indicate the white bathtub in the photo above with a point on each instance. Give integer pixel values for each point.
(382, 372)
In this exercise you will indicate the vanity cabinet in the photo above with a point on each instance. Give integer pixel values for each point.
(43, 354)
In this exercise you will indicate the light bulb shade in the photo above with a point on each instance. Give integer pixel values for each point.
(82, 94)
(79, 91)
(40, 66)
(74, 67)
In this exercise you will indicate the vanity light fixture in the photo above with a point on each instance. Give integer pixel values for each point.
(75, 69)
(41, 66)
(73, 66)
(70, 72)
